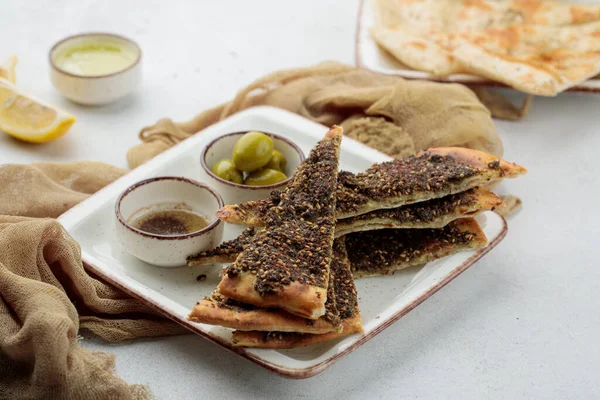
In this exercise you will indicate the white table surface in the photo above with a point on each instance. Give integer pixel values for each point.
(522, 323)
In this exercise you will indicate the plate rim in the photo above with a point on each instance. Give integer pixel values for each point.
(285, 371)
(479, 81)
(313, 370)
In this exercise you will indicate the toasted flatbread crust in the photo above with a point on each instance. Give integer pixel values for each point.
(386, 251)
(539, 60)
(303, 300)
(210, 311)
(251, 213)
(495, 167)
(538, 46)
(287, 264)
(279, 340)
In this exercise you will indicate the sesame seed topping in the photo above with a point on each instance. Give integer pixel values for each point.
(296, 244)
(387, 249)
(396, 183)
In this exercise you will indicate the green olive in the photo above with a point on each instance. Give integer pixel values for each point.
(265, 176)
(252, 151)
(226, 169)
(277, 161)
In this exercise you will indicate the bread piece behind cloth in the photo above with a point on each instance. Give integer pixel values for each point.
(396, 116)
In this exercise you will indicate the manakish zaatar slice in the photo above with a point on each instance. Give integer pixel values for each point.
(428, 214)
(346, 302)
(386, 251)
(220, 310)
(541, 60)
(226, 252)
(435, 213)
(432, 174)
(286, 265)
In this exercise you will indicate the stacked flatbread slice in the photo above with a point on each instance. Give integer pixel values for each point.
(346, 305)
(541, 47)
(291, 284)
(285, 288)
(386, 251)
(433, 174)
(436, 213)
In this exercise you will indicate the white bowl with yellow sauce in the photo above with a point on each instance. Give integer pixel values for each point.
(95, 68)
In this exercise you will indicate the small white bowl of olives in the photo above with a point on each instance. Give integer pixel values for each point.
(246, 166)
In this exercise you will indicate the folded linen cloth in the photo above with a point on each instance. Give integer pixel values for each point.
(396, 116)
(46, 295)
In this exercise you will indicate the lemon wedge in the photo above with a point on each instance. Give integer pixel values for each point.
(7, 69)
(27, 118)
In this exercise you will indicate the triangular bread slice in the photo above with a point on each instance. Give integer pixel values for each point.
(386, 251)
(418, 52)
(435, 213)
(220, 310)
(291, 340)
(286, 265)
(226, 252)
(432, 174)
(347, 305)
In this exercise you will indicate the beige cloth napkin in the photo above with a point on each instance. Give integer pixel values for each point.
(46, 295)
(399, 117)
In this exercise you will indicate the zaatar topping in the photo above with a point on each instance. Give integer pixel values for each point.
(424, 214)
(268, 336)
(344, 288)
(225, 302)
(332, 314)
(226, 251)
(346, 302)
(425, 211)
(398, 178)
(259, 207)
(389, 249)
(393, 184)
(295, 245)
(494, 164)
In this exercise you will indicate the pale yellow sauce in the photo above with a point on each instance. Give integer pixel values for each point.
(95, 59)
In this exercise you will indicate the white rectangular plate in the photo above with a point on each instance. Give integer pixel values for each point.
(174, 292)
(372, 57)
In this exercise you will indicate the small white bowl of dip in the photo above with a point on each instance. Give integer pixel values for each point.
(164, 220)
(95, 68)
